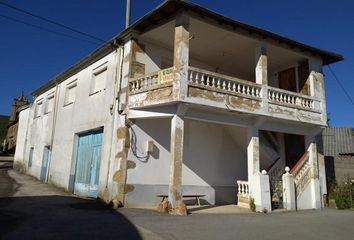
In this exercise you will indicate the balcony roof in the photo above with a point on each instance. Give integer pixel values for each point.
(165, 12)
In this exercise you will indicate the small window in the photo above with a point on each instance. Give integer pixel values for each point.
(38, 109)
(30, 158)
(98, 82)
(49, 104)
(70, 93)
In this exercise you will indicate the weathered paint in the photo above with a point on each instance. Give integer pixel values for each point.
(175, 184)
(181, 56)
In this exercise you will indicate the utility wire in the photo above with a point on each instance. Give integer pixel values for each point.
(340, 84)
(52, 22)
(46, 29)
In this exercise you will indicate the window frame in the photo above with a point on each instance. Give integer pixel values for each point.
(71, 85)
(38, 112)
(95, 72)
(46, 107)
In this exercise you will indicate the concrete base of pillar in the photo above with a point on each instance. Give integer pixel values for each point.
(163, 207)
(179, 210)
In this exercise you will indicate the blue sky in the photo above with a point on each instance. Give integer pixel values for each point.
(29, 57)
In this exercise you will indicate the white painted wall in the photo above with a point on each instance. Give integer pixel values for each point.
(213, 161)
(88, 111)
(20, 159)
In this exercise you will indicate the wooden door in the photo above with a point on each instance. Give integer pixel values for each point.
(88, 164)
(287, 79)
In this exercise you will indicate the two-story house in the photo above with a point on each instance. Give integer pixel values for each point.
(184, 101)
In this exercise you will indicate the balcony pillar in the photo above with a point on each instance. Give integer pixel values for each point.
(261, 64)
(177, 207)
(258, 182)
(262, 73)
(181, 57)
(317, 86)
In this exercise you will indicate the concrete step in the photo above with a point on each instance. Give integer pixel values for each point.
(6, 158)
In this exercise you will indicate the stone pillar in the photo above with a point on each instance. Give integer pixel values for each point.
(126, 69)
(317, 90)
(261, 71)
(177, 207)
(181, 57)
(120, 176)
(316, 196)
(289, 196)
(261, 64)
(253, 153)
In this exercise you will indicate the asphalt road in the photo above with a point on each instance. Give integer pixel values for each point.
(32, 210)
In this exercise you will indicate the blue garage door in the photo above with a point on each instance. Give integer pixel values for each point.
(88, 164)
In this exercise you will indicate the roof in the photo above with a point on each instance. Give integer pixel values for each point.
(338, 141)
(166, 11)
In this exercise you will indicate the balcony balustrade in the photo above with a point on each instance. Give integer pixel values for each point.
(222, 91)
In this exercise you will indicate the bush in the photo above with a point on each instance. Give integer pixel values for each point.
(252, 204)
(343, 194)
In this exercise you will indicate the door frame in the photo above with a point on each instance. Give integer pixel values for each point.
(47, 152)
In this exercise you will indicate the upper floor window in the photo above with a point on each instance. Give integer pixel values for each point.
(49, 106)
(70, 93)
(99, 78)
(38, 108)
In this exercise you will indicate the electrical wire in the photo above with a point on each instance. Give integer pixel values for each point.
(341, 85)
(134, 149)
(52, 22)
(46, 29)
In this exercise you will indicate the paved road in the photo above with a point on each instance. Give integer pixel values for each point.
(32, 210)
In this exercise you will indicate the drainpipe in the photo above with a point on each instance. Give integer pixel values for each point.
(115, 98)
(54, 121)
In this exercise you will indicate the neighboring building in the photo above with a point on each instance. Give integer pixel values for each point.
(338, 151)
(184, 101)
(12, 126)
(4, 120)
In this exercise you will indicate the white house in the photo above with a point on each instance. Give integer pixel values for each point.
(184, 101)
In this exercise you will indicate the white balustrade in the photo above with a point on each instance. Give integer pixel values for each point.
(218, 81)
(151, 80)
(287, 97)
(144, 82)
(243, 188)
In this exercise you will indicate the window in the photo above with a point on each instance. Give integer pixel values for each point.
(98, 82)
(49, 104)
(70, 93)
(30, 158)
(38, 108)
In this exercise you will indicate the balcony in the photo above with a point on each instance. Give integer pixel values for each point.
(206, 88)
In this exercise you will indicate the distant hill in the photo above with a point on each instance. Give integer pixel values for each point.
(4, 120)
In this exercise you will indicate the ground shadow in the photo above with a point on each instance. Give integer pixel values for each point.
(60, 217)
